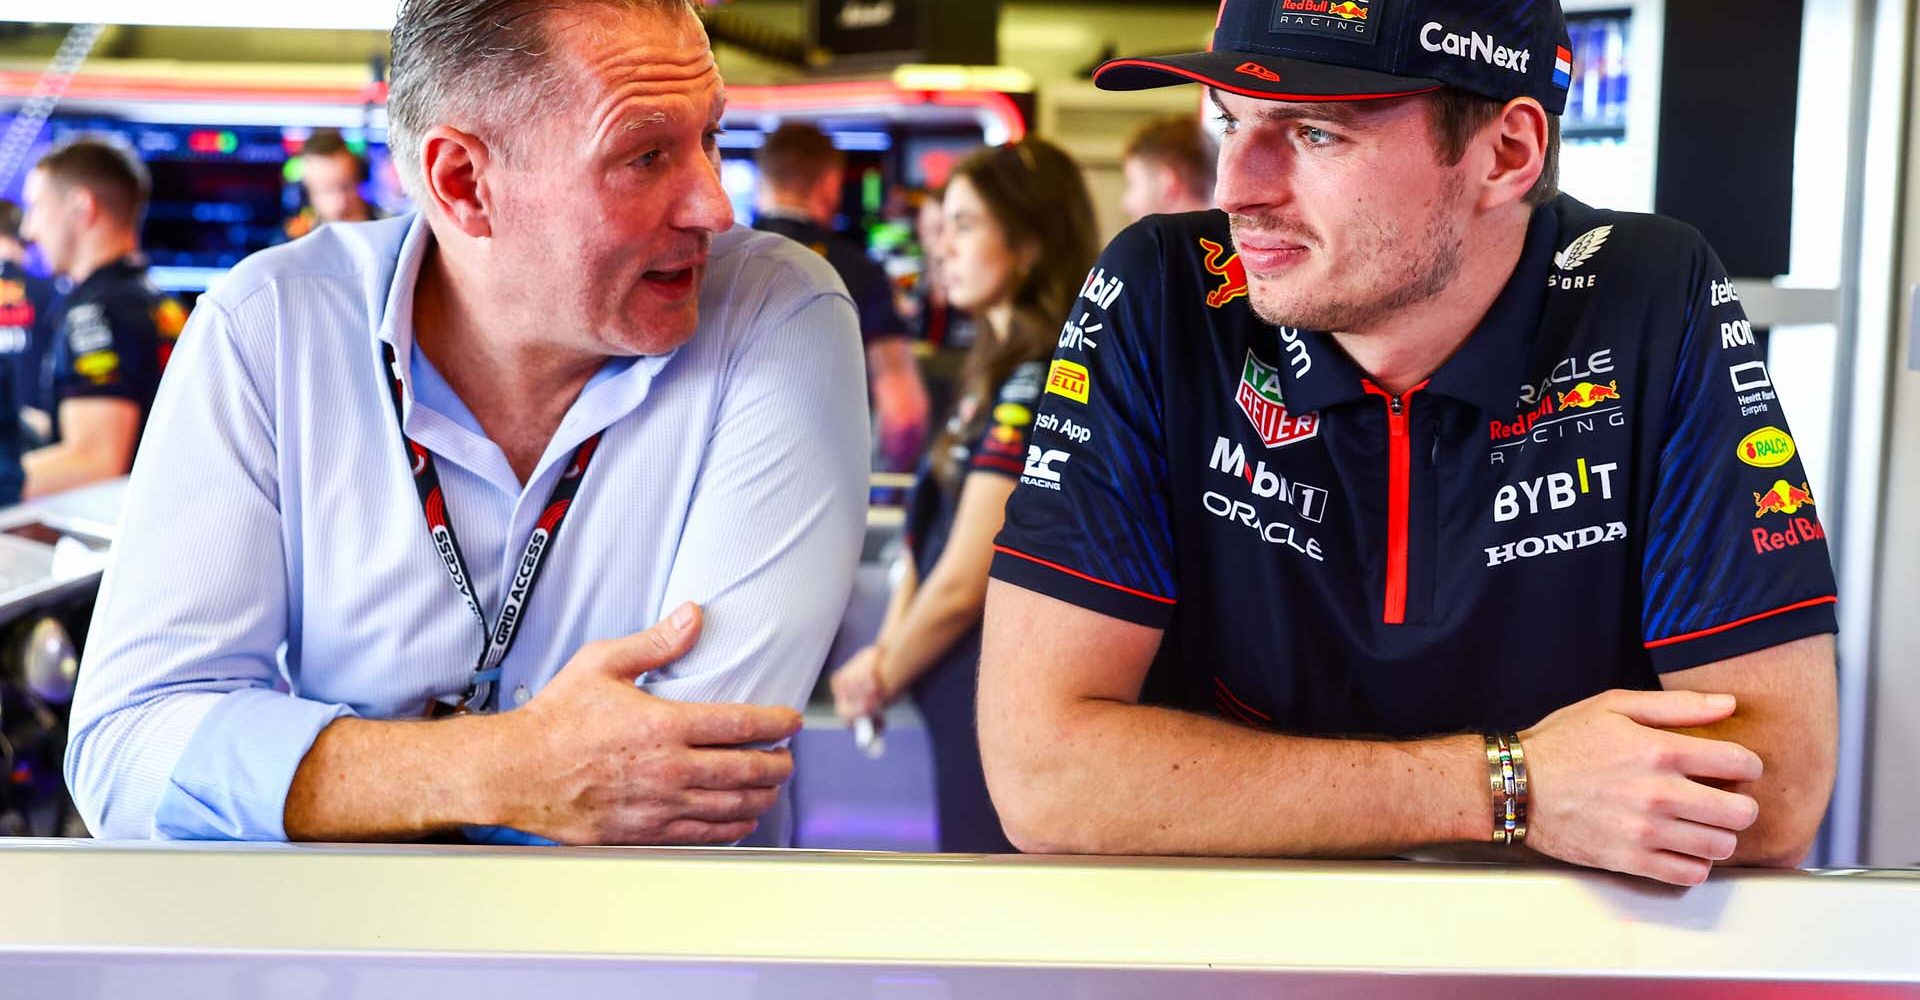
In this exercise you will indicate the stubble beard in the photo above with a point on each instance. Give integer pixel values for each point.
(1418, 270)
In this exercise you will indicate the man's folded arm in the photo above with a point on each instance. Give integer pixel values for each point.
(1788, 714)
(1077, 765)
(776, 522)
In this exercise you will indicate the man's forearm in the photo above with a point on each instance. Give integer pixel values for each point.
(1788, 714)
(1108, 777)
(367, 780)
(61, 467)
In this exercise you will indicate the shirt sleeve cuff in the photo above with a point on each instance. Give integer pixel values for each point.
(231, 782)
(1074, 587)
(1745, 635)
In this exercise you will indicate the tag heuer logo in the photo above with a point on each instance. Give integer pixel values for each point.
(1577, 253)
(1259, 398)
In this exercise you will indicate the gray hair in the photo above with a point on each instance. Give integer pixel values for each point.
(490, 59)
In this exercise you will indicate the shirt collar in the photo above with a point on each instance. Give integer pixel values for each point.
(132, 265)
(1487, 370)
(614, 391)
(1490, 367)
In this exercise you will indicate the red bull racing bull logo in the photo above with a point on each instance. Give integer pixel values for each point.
(1589, 394)
(1233, 274)
(1348, 9)
(1784, 498)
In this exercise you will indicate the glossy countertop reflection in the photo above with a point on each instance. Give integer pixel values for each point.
(656, 912)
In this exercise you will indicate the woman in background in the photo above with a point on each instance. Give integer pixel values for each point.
(1017, 244)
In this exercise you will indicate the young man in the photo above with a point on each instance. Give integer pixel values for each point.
(331, 174)
(1168, 163)
(567, 399)
(1398, 445)
(801, 174)
(115, 330)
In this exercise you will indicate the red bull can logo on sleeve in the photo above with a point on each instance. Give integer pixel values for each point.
(1783, 498)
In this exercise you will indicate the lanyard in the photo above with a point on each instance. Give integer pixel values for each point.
(497, 640)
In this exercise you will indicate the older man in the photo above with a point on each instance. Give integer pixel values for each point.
(611, 405)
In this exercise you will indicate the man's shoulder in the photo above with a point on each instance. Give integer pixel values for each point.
(750, 263)
(352, 254)
(1171, 241)
(1630, 243)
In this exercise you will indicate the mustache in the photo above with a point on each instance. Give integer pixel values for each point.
(682, 250)
(1272, 227)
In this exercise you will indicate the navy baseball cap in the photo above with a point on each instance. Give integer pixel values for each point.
(1359, 50)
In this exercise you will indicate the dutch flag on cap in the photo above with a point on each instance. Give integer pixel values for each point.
(1562, 68)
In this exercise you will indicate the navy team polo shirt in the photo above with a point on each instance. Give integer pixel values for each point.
(1599, 487)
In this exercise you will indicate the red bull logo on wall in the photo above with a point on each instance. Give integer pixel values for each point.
(1234, 274)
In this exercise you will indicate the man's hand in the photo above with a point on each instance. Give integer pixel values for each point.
(859, 690)
(1610, 788)
(594, 760)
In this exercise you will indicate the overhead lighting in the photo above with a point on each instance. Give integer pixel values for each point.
(350, 15)
(928, 76)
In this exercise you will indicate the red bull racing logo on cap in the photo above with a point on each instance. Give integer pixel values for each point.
(1345, 19)
(1234, 274)
(1588, 394)
(1259, 398)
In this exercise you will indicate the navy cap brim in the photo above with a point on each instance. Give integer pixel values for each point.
(1271, 78)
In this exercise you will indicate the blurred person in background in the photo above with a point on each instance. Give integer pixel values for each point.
(27, 305)
(23, 304)
(1017, 242)
(801, 176)
(114, 331)
(332, 175)
(938, 321)
(1168, 164)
